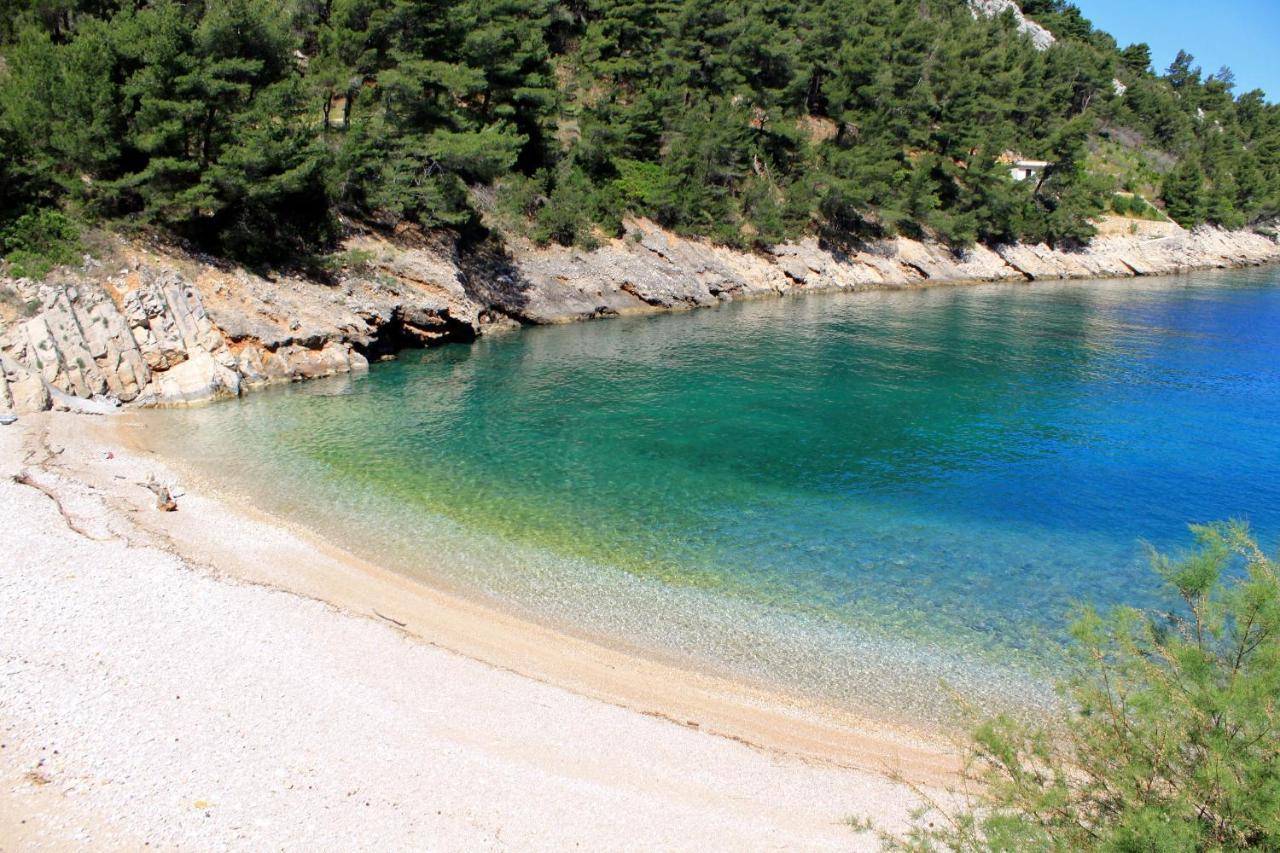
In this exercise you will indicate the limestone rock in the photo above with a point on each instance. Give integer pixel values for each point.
(26, 390)
(42, 353)
(172, 329)
(30, 394)
(275, 366)
(651, 269)
(310, 364)
(434, 272)
(154, 329)
(199, 379)
(977, 263)
(64, 402)
(112, 345)
(252, 371)
(1040, 37)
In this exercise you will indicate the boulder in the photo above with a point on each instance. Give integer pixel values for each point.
(310, 364)
(252, 371)
(275, 365)
(201, 378)
(28, 392)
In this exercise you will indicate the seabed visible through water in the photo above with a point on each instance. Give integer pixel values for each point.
(862, 497)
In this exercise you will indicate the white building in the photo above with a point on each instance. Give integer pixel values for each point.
(1020, 170)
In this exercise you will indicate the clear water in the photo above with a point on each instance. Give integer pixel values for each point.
(860, 496)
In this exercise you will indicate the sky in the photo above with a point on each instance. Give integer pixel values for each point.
(1242, 34)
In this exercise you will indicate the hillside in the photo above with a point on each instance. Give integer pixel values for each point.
(256, 129)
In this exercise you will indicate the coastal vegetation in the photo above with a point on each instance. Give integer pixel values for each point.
(1173, 743)
(35, 241)
(253, 128)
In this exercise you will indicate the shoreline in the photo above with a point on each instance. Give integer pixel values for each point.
(239, 548)
(915, 683)
(602, 668)
(152, 326)
(219, 544)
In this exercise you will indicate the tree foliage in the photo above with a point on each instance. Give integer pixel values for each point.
(1174, 738)
(252, 126)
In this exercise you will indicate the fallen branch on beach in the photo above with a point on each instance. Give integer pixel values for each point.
(23, 478)
(164, 499)
(395, 622)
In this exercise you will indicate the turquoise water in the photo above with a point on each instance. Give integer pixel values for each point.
(861, 496)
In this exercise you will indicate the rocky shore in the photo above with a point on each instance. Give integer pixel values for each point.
(153, 326)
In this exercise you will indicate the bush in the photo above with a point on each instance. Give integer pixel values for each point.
(36, 242)
(570, 211)
(1136, 206)
(1174, 740)
(356, 260)
(646, 188)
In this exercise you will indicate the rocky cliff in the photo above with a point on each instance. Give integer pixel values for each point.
(149, 326)
(152, 327)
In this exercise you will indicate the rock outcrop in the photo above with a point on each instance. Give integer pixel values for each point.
(172, 329)
(652, 269)
(1040, 37)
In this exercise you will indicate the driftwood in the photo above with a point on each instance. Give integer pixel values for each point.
(24, 479)
(395, 622)
(164, 500)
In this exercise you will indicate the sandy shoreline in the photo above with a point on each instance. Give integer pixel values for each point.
(615, 750)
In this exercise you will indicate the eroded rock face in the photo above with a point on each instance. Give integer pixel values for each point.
(197, 379)
(167, 318)
(1040, 37)
(170, 330)
(21, 389)
(78, 343)
(1118, 256)
(650, 269)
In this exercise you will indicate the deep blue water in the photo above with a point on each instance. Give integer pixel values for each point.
(849, 494)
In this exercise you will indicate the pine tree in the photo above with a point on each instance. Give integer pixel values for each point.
(1136, 58)
(747, 121)
(1183, 193)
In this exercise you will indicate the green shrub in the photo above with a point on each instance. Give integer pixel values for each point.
(357, 260)
(1135, 205)
(36, 242)
(646, 188)
(1173, 742)
(569, 212)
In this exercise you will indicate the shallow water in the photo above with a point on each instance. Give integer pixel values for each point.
(861, 496)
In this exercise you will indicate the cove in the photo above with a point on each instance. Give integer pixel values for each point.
(877, 499)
